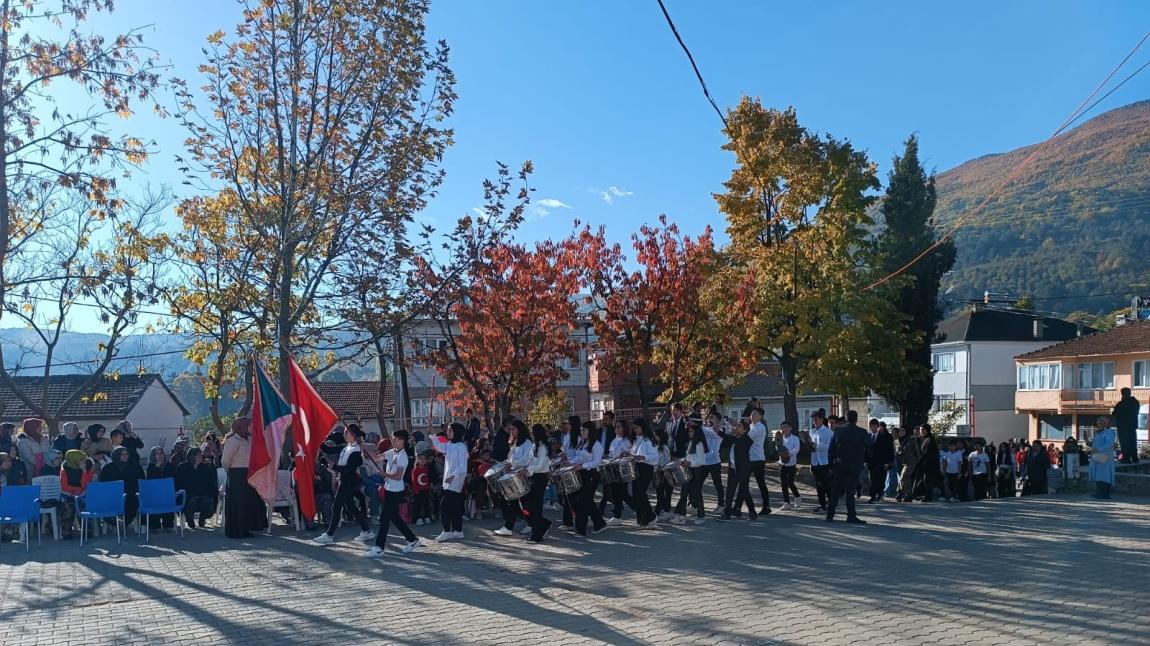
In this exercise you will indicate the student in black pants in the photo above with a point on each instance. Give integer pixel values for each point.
(572, 429)
(741, 455)
(348, 464)
(646, 457)
(395, 465)
(538, 470)
(588, 457)
(697, 450)
(664, 490)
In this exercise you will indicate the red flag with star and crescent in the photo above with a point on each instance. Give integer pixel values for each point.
(312, 419)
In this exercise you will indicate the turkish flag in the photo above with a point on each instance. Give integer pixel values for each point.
(312, 419)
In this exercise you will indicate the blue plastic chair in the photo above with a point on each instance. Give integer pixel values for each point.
(102, 500)
(159, 496)
(20, 505)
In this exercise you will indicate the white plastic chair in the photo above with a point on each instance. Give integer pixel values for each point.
(285, 497)
(50, 490)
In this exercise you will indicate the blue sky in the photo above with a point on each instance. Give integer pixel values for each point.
(599, 96)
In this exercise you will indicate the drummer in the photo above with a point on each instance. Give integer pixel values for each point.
(571, 431)
(588, 458)
(521, 453)
(619, 492)
(697, 451)
(646, 457)
(538, 467)
(664, 488)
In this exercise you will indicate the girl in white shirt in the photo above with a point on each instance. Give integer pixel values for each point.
(454, 472)
(538, 468)
(521, 451)
(664, 488)
(572, 429)
(697, 452)
(588, 457)
(788, 465)
(619, 491)
(395, 464)
(646, 457)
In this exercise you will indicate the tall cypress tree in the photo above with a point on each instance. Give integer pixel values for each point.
(907, 209)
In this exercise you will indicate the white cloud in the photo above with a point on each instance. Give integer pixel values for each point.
(552, 203)
(540, 209)
(478, 211)
(613, 193)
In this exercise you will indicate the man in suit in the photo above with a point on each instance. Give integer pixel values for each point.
(847, 455)
(879, 458)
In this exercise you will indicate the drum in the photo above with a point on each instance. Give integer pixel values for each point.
(514, 485)
(494, 473)
(607, 472)
(569, 481)
(625, 469)
(678, 472)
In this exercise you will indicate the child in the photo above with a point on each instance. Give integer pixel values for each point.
(421, 490)
(741, 460)
(951, 463)
(395, 461)
(477, 485)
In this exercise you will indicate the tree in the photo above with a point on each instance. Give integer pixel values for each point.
(325, 120)
(907, 211)
(654, 330)
(796, 208)
(58, 172)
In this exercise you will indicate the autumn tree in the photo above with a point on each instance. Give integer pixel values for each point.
(323, 120)
(796, 208)
(654, 329)
(908, 229)
(59, 165)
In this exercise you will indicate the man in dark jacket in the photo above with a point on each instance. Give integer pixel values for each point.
(678, 432)
(501, 443)
(1126, 421)
(847, 456)
(880, 445)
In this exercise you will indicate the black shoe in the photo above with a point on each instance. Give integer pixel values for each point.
(871, 501)
(756, 516)
(856, 520)
(766, 511)
(830, 519)
(724, 518)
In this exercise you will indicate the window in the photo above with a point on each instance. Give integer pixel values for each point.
(1142, 374)
(427, 411)
(1096, 376)
(944, 362)
(1055, 427)
(1043, 376)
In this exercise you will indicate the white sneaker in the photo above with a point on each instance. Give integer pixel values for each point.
(525, 531)
(444, 537)
(323, 539)
(421, 522)
(411, 547)
(365, 536)
(666, 516)
(567, 528)
(699, 521)
(458, 534)
(427, 521)
(798, 501)
(503, 531)
(600, 530)
(719, 509)
(374, 553)
(678, 520)
(612, 521)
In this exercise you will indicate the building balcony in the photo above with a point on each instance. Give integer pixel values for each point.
(1090, 400)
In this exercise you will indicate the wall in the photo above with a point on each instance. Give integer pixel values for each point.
(156, 418)
(992, 362)
(1000, 425)
(952, 383)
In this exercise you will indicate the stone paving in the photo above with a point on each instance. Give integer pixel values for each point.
(995, 572)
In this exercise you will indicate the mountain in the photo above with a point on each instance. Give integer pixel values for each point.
(1071, 231)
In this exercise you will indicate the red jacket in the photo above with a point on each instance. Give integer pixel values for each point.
(420, 479)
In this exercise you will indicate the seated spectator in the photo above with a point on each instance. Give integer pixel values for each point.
(97, 447)
(33, 446)
(179, 453)
(199, 483)
(13, 471)
(75, 474)
(122, 468)
(69, 440)
(7, 441)
(124, 436)
(52, 463)
(159, 467)
(211, 449)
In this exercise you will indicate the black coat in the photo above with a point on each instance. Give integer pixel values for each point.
(882, 451)
(197, 481)
(1126, 414)
(130, 472)
(848, 448)
(154, 472)
(679, 434)
(741, 452)
(500, 446)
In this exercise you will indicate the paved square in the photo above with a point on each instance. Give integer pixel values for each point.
(996, 572)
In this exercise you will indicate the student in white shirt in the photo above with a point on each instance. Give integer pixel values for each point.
(697, 450)
(979, 463)
(538, 469)
(664, 489)
(788, 465)
(521, 450)
(572, 429)
(588, 457)
(759, 437)
(347, 465)
(454, 472)
(395, 465)
(646, 457)
(713, 464)
(951, 463)
(619, 492)
(821, 436)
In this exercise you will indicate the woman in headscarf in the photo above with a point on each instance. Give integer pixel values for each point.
(122, 468)
(1102, 458)
(75, 474)
(68, 440)
(33, 446)
(244, 511)
(159, 467)
(98, 447)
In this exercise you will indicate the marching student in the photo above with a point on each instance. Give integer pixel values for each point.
(646, 458)
(347, 466)
(759, 438)
(520, 457)
(788, 465)
(714, 467)
(821, 436)
(697, 450)
(571, 438)
(664, 488)
(395, 465)
(538, 468)
(624, 438)
(454, 472)
(741, 458)
(588, 457)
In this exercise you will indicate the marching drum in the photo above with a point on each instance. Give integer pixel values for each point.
(607, 472)
(514, 485)
(494, 473)
(569, 481)
(625, 469)
(678, 472)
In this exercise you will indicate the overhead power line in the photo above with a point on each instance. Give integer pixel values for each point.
(698, 74)
(84, 362)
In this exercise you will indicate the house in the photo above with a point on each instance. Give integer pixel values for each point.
(973, 357)
(768, 387)
(358, 401)
(1063, 388)
(156, 414)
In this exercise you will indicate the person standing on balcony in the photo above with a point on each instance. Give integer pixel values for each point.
(1126, 420)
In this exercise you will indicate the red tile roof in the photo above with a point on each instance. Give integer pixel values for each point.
(357, 398)
(1124, 339)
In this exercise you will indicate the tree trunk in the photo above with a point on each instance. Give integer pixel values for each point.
(380, 399)
(788, 366)
(402, 394)
(246, 406)
(644, 400)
